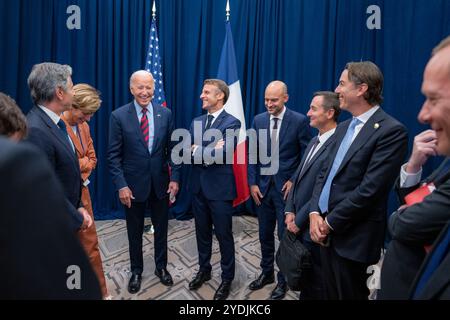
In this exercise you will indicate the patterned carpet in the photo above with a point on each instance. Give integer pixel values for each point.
(182, 264)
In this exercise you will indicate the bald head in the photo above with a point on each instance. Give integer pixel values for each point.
(278, 85)
(142, 87)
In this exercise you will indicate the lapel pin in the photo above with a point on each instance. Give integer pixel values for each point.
(158, 115)
(376, 126)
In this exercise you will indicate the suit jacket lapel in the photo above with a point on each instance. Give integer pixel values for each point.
(318, 153)
(134, 122)
(75, 139)
(305, 157)
(367, 131)
(157, 118)
(284, 126)
(56, 131)
(218, 121)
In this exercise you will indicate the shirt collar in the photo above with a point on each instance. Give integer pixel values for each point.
(55, 118)
(216, 114)
(366, 115)
(139, 108)
(280, 116)
(325, 136)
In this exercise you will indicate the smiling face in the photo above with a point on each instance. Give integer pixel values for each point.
(275, 98)
(212, 98)
(436, 108)
(142, 87)
(76, 116)
(349, 93)
(318, 116)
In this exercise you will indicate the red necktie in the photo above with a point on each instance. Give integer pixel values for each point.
(144, 125)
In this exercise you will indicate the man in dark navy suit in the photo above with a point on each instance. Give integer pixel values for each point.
(51, 90)
(416, 226)
(286, 140)
(349, 202)
(40, 254)
(139, 154)
(323, 113)
(213, 184)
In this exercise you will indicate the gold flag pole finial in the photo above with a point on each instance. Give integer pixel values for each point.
(154, 10)
(228, 10)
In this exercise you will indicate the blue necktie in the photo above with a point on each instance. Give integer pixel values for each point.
(343, 148)
(437, 255)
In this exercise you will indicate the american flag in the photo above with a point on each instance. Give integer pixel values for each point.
(153, 65)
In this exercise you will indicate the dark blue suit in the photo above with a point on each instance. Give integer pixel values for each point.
(214, 189)
(47, 136)
(147, 176)
(35, 228)
(298, 202)
(293, 138)
(358, 201)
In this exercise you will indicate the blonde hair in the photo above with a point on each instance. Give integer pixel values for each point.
(86, 98)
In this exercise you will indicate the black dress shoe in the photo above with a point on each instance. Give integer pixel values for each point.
(223, 291)
(164, 276)
(262, 280)
(279, 292)
(135, 283)
(199, 279)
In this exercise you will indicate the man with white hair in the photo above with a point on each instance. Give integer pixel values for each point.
(139, 155)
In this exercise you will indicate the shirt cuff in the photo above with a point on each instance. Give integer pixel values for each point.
(409, 179)
(314, 212)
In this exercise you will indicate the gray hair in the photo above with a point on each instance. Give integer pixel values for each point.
(45, 78)
(140, 73)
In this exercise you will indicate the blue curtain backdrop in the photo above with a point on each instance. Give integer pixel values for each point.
(305, 43)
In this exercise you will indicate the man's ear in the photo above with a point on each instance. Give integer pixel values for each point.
(220, 95)
(362, 89)
(59, 93)
(330, 113)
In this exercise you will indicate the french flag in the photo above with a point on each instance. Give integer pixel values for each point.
(228, 73)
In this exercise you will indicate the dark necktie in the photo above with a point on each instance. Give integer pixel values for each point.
(209, 121)
(310, 155)
(145, 126)
(274, 134)
(63, 128)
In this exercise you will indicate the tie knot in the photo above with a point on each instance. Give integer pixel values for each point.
(275, 123)
(210, 117)
(144, 111)
(355, 122)
(61, 124)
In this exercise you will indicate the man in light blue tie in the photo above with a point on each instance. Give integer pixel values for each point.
(349, 202)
